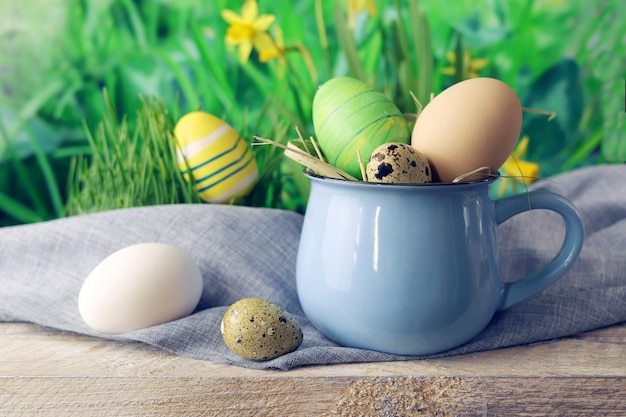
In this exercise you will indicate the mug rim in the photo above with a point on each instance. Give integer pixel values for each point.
(488, 180)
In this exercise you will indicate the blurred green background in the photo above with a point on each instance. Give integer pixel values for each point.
(91, 89)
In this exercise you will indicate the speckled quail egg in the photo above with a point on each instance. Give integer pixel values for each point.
(258, 329)
(398, 163)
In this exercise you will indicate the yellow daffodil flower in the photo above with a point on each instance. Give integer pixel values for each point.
(248, 30)
(277, 50)
(358, 6)
(470, 66)
(516, 170)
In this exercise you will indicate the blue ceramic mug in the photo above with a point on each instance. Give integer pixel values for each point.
(413, 269)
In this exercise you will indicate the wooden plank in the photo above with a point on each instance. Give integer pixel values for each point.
(341, 396)
(28, 350)
(43, 372)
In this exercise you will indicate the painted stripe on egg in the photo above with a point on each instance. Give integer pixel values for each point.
(341, 106)
(236, 145)
(231, 173)
(361, 115)
(199, 145)
(235, 164)
(383, 117)
(241, 188)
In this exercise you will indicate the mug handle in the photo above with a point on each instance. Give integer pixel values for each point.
(517, 291)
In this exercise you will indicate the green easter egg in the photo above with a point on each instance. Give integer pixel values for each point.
(348, 115)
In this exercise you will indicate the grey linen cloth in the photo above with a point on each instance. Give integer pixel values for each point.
(251, 252)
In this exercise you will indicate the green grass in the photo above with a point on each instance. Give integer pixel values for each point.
(129, 166)
(65, 148)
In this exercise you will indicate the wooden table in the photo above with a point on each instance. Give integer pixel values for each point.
(44, 372)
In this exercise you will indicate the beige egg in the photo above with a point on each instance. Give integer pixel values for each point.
(472, 124)
(398, 163)
(257, 329)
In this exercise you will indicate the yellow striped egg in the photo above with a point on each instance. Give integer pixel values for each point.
(220, 160)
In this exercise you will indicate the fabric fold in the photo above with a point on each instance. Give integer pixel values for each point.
(251, 252)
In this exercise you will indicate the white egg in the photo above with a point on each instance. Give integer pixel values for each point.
(140, 286)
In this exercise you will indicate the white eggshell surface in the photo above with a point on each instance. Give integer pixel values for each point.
(140, 286)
